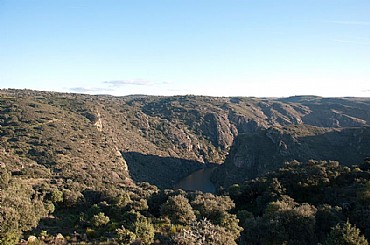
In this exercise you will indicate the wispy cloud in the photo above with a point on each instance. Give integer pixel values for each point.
(114, 85)
(350, 22)
(184, 91)
(88, 90)
(139, 82)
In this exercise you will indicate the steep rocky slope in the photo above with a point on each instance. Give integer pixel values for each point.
(156, 139)
(255, 154)
(40, 138)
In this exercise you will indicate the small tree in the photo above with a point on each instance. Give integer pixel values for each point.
(203, 232)
(99, 220)
(56, 196)
(5, 177)
(140, 226)
(71, 198)
(210, 206)
(122, 200)
(345, 234)
(125, 236)
(178, 210)
(10, 231)
(144, 230)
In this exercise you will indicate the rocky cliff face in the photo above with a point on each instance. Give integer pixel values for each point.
(162, 139)
(257, 153)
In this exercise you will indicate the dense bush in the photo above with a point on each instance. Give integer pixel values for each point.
(178, 210)
(21, 208)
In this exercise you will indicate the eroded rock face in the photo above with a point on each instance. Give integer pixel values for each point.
(254, 154)
(219, 129)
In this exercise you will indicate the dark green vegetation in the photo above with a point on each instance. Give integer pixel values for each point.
(306, 203)
(79, 165)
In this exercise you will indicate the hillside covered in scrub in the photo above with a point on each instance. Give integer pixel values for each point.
(301, 203)
(102, 168)
(63, 133)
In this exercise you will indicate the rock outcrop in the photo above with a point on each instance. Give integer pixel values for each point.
(257, 153)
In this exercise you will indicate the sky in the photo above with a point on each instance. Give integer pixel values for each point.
(262, 48)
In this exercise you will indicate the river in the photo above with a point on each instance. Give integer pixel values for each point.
(199, 180)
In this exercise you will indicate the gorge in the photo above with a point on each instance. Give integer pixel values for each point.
(101, 168)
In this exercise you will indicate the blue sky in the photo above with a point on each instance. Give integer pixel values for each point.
(168, 47)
